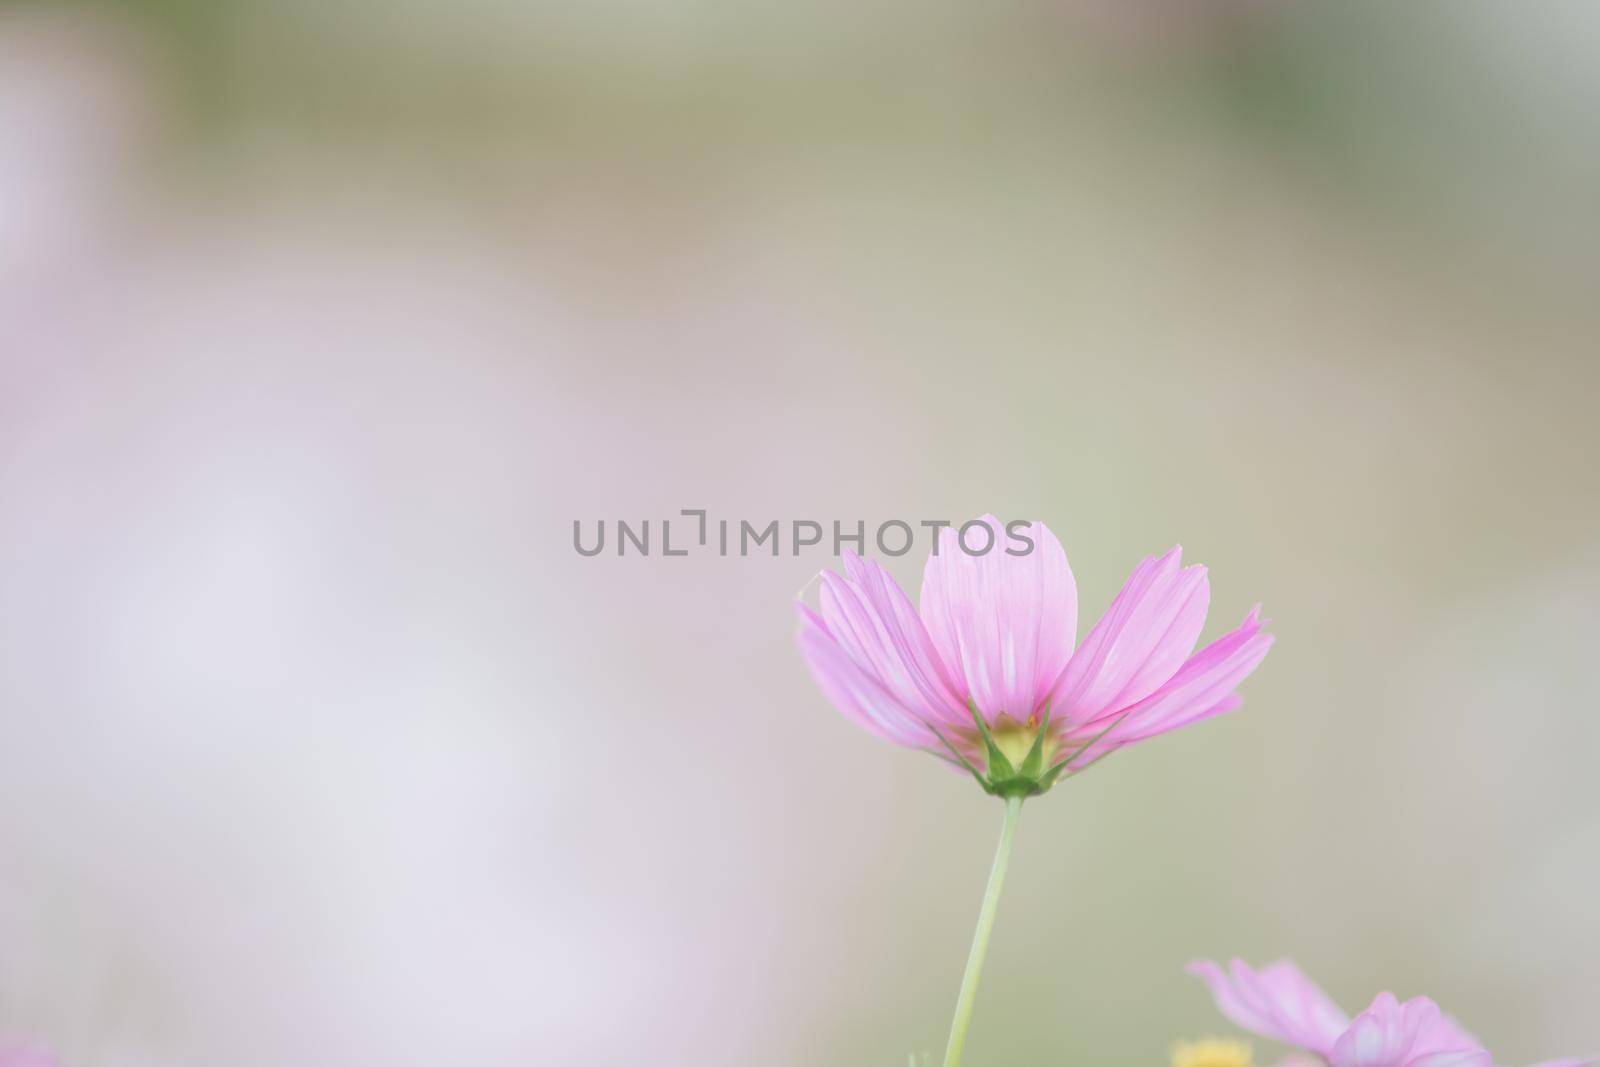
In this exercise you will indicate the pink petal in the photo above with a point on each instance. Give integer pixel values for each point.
(1139, 643)
(853, 691)
(1412, 1034)
(1382, 1035)
(1087, 744)
(1202, 687)
(875, 624)
(1003, 624)
(1279, 1003)
(1465, 1057)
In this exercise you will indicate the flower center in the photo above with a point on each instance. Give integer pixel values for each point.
(1015, 738)
(1015, 756)
(1211, 1052)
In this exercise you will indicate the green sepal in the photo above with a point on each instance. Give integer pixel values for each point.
(1081, 749)
(1033, 762)
(999, 766)
(1049, 777)
(960, 759)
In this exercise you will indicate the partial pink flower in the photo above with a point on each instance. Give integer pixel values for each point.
(1279, 1002)
(985, 673)
(1410, 1034)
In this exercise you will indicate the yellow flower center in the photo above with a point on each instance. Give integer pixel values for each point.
(1211, 1052)
(1015, 738)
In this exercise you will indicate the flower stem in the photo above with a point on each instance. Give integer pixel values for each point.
(980, 936)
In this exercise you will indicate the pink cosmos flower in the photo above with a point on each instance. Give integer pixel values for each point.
(985, 674)
(1280, 1003)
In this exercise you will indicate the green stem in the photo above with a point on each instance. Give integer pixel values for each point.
(980, 936)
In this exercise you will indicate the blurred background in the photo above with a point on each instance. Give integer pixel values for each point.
(320, 323)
